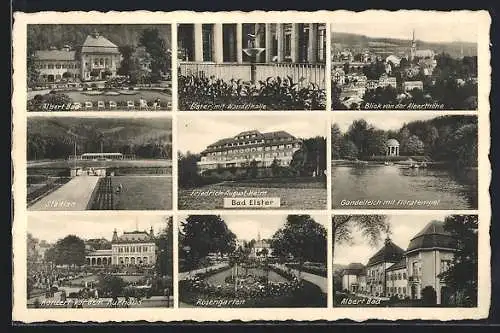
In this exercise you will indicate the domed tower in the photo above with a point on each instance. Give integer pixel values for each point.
(429, 254)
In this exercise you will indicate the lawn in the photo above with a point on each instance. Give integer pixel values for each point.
(143, 192)
(304, 197)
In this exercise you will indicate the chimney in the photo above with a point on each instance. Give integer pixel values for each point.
(115, 236)
(151, 232)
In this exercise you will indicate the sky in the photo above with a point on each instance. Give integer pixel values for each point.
(428, 31)
(55, 227)
(195, 133)
(403, 227)
(247, 227)
(381, 120)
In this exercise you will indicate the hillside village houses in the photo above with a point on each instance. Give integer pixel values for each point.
(239, 151)
(392, 271)
(96, 59)
(226, 51)
(354, 83)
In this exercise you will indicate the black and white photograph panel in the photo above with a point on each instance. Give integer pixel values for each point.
(404, 65)
(251, 66)
(405, 260)
(253, 261)
(89, 163)
(99, 67)
(251, 162)
(415, 160)
(84, 261)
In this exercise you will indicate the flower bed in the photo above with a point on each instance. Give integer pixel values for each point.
(202, 93)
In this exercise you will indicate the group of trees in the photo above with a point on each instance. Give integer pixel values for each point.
(200, 235)
(55, 139)
(446, 138)
(301, 238)
(152, 50)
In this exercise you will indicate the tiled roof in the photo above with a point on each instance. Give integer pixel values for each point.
(259, 136)
(389, 253)
(134, 236)
(431, 236)
(98, 43)
(60, 55)
(399, 265)
(354, 268)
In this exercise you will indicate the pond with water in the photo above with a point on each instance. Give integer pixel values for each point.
(398, 187)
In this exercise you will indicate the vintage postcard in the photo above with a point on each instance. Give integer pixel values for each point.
(260, 166)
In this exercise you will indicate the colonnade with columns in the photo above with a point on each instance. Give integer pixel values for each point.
(221, 42)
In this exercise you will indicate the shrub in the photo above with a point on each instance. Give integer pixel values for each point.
(429, 296)
(272, 94)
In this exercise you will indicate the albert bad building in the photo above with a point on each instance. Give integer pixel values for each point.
(392, 271)
(131, 248)
(244, 148)
(97, 57)
(226, 50)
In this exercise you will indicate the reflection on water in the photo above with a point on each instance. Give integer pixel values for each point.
(427, 188)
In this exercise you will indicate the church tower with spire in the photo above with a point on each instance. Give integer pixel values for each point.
(413, 47)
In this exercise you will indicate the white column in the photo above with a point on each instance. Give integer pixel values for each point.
(218, 55)
(269, 43)
(294, 40)
(312, 49)
(280, 36)
(239, 43)
(198, 42)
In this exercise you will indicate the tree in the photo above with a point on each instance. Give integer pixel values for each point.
(372, 227)
(157, 49)
(376, 143)
(429, 296)
(164, 262)
(461, 276)
(463, 145)
(414, 146)
(204, 234)
(337, 141)
(357, 133)
(348, 149)
(188, 169)
(68, 251)
(302, 238)
(253, 170)
(127, 64)
(346, 67)
(111, 284)
(275, 168)
(335, 94)
(315, 149)
(33, 73)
